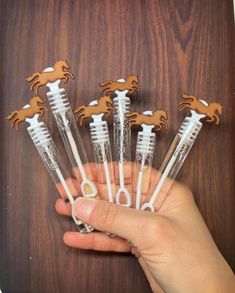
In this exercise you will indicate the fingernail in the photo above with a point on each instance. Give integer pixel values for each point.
(83, 207)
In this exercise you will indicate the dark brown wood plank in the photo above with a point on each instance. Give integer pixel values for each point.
(174, 46)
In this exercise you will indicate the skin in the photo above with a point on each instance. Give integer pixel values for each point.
(173, 246)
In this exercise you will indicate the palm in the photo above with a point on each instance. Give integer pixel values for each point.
(168, 206)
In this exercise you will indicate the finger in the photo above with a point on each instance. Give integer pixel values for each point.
(116, 219)
(101, 172)
(73, 186)
(177, 196)
(104, 191)
(63, 208)
(170, 186)
(90, 170)
(96, 241)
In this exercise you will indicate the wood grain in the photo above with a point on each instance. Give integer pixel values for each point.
(174, 46)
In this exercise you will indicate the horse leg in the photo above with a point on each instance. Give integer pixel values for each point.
(111, 109)
(129, 123)
(16, 123)
(105, 90)
(78, 110)
(185, 106)
(215, 119)
(184, 103)
(107, 113)
(44, 108)
(65, 79)
(69, 74)
(81, 119)
(210, 119)
(80, 115)
(35, 84)
(41, 113)
(163, 123)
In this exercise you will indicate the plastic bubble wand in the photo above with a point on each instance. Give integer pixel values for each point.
(149, 121)
(184, 141)
(46, 148)
(122, 135)
(60, 106)
(97, 110)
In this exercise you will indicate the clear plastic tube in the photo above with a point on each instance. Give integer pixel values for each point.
(144, 159)
(72, 140)
(53, 162)
(103, 158)
(174, 159)
(122, 150)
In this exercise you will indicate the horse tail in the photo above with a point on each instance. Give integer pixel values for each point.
(10, 116)
(32, 77)
(79, 110)
(188, 97)
(131, 115)
(104, 83)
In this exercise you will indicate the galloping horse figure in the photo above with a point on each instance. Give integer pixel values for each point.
(110, 86)
(212, 111)
(35, 107)
(44, 77)
(158, 119)
(104, 106)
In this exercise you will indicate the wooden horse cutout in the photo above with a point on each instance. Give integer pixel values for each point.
(158, 119)
(35, 107)
(212, 111)
(130, 84)
(42, 78)
(104, 106)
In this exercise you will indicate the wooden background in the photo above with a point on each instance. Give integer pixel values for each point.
(174, 46)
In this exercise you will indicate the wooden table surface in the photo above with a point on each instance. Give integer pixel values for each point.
(174, 46)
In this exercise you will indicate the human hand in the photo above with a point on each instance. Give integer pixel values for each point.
(173, 246)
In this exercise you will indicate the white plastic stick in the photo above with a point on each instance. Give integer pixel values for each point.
(100, 139)
(150, 204)
(85, 180)
(139, 185)
(107, 176)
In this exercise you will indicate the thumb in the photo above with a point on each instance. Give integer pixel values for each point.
(119, 220)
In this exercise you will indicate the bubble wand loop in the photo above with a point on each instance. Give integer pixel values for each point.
(183, 142)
